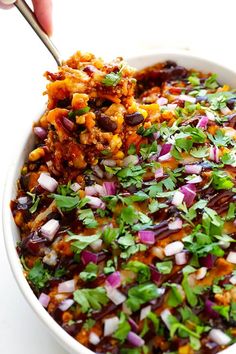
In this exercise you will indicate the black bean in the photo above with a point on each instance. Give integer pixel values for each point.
(170, 64)
(105, 123)
(134, 119)
(231, 103)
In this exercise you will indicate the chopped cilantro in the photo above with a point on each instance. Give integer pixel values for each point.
(66, 203)
(88, 324)
(164, 267)
(175, 297)
(142, 270)
(200, 152)
(194, 80)
(110, 234)
(148, 131)
(38, 275)
(123, 328)
(35, 202)
(140, 294)
(231, 212)
(109, 268)
(221, 180)
(147, 150)
(90, 272)
(128, 215)
(91, 299)
(87, 217)
(211, 82)
(219, 139)
(81, 242)
(132, 149)
(222, 310)
(112, 79)
(78, 112)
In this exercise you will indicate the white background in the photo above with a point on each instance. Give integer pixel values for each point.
(107, 28)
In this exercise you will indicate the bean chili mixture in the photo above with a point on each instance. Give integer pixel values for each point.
(126, 207)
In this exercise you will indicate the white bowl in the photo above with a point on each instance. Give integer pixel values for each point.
(11, 232)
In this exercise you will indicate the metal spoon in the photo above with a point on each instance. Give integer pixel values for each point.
(28, 14)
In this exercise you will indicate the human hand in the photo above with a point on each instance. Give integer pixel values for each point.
(42, 11)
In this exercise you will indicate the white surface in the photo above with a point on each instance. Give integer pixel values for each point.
(125, 28)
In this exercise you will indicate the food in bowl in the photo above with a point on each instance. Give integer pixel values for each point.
(126, 207)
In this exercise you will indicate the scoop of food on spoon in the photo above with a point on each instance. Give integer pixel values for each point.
(30, 17)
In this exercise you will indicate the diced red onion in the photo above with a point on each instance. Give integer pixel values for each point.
(135, 340)
(94, 338)
(233, 280)
(155, 275)
(144, 312)
(110, 188)
(165, 148)
(44, 300)
(201, 273)
(159, 172)
(156, 135)
(165, 157)
(66, 304)
(207, 261)
(202, 122)
(187, 98)
(108, 162)
(210, 115)
(87, 257)
(171, 106)
(162, 101)
(22, 200)
(110, 325)
(115, 295)
(181, 258)
(193, 169)
(50, 229)
(231, 257)
(165, 317)
(133, 324)
(147, 237)
(75, 187)
(47, 182)
(219, 337)
(68, 124)
(225, 110)
(176, 224)
(67, 286)
(178, 198)
(99, 172)
(96, 203)
(90, 190)
(114, 280)
(214, 154)
(130, 160)
(173, 248)
(209, 310)
(189, 191)
(96, 245)
(40, 132)
(196, 179)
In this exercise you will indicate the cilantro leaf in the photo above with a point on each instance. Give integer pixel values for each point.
(81, 242)
(88, 324)
(211, 82)
(65, 203)
(222, 310)
(110, 234)
(165, 267)
(175, 297)
(147, 131)
(200, 152)
(78, 112)
(221, 180)
(128, 215)
(140, 294)
(87, 217)
(123, 328)
(219, 139)
(194, 80)
(91, 298)
(142, 270)
(112, 79)
(38, 275)
(90, 272)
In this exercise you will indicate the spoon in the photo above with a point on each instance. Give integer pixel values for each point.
(28, 14)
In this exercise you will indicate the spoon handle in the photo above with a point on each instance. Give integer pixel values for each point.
(31, 19)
